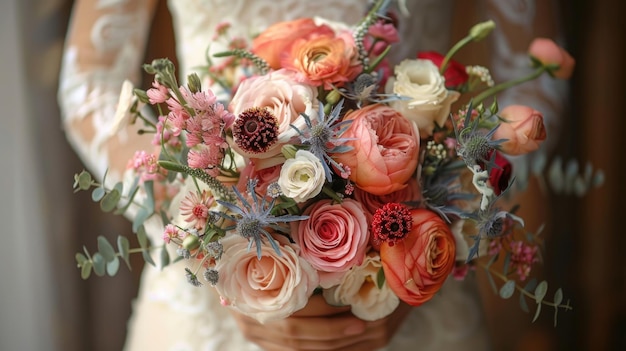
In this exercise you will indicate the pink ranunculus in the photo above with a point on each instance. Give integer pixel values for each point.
(269, 288)
(276, 40)
(522, 127)
(285, 98)
(548, 52)
(333, 239)
(264, 177)
(384, 151)
(417, 266)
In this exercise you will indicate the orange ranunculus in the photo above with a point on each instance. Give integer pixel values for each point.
(522, 127)
(417, 266)
(384, 151)
(276, 39)
(549, 53)
(326, 60)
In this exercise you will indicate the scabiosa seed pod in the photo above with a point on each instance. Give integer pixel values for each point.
(255, 130)
(391, 223)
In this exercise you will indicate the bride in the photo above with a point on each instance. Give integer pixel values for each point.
(104, 47)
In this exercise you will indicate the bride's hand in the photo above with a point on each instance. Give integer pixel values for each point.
(320, 326)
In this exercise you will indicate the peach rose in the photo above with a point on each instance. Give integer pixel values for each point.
(269, 288)
(523, 127)
(384, 151)
(417, 266)
(548, 52)
(276, 39)
(325, 60)
(333, 239)
(281, 95)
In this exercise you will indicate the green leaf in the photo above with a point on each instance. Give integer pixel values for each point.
(146, 256)
(530, 286)
(82, 181)
(85, 270)
(119, 186)
(149, 202)
(98, 264)
(97, 194)
(142, 237)
(165, 257)
(493, 259)
(492, 282)
(507, 290)
(537, 312)
(106, 250)
(113, 266)
(110, 200)
(558, 297)
(140, 218)
(80, 259)
(380, 278)
(507, 262)
(540, 291)
(522, 303)
(556, 315)
(124, 246)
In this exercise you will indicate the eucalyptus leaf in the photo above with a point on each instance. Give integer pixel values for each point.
(522, 303)
(119, 186)
(98, 264)
(558, 297)
(149, 201)
(492, 282)
(85, 270)
(124, 246)
(80, 258)
(110, 200)
(142, 237)
(106, 250)
(140, 218)
(537, 312)
(556, 316)
(165, 257)
(507, 262)
(507, 290)
(97, 194)
(82, 181)
(147, 257)
(113, 266)
(540, 291)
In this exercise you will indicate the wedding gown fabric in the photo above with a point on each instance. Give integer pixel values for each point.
(105, 46)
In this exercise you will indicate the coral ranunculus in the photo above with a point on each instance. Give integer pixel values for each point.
(275, 40)
(323, 60)
(384, 148)
(417, 266)
(522, 128)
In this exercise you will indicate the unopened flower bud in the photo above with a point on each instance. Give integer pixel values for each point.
(481, 30)
(333, 97)
(191, 242)
(193, 81)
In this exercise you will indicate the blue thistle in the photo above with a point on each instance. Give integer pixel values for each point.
(252, 219)
(323, 136)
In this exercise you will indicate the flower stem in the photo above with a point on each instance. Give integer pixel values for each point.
(460, 44)
(503, 86)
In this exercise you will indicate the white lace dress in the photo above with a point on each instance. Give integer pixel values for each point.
(105, 46)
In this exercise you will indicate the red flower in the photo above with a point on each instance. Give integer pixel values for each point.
(500, 176)
(455, 73)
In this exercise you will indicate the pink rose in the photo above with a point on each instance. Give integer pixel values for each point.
(269, 288)
(264, 177)
(384, 150)
(417, 266)
(283, 97)
(333, 239)
(548, 52)
(523, 127)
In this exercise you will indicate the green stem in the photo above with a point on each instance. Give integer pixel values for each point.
(446, 60)
(503, 86)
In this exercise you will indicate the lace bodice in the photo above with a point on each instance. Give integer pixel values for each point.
(105, 46)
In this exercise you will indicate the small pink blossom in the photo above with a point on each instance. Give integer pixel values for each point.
(522, 258)
(195, 207)
(206, 157)
(170, 232)
(146, 166)
(158, 94)
(386, 32)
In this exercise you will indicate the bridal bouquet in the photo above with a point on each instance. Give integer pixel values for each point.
(311, 165)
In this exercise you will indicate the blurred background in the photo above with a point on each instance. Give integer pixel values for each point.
(44, 305)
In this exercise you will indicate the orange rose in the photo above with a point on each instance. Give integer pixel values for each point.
(417, 266)
(276, 39)
(323, 60)
(384, 151)
(548, 52)
(522, 127)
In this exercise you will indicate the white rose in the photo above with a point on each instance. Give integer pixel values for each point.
(429, 101)
(302, 177)
(359, 290)
(265, 289)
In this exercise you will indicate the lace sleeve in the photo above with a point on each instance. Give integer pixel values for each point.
(104, 47)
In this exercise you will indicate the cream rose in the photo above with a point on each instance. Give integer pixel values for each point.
(265, 289)
(359, 290)
(302, 177)
(429, 102)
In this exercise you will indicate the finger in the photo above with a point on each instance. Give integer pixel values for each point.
(317, 306)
